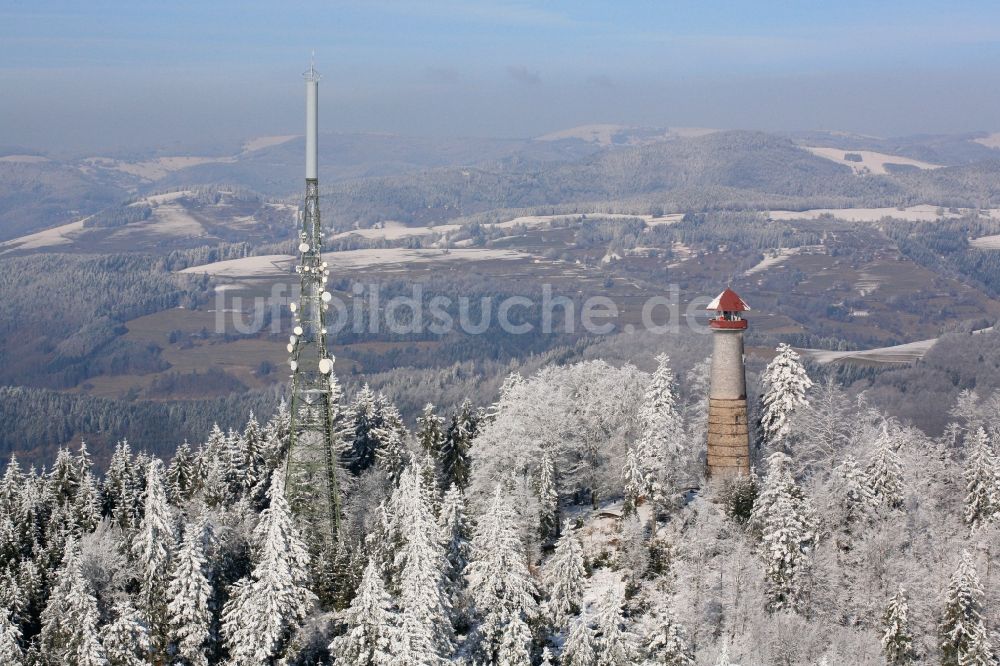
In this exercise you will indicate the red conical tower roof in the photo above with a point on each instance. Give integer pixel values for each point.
(728, 301)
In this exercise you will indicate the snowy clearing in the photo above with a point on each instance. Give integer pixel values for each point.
(61, 235)
(990, 141)
(261, 142)
(773, 259)
(153, 169)
(248, 267)
(908, 352)
(919, 213)
(871, 161)
(986, 242)
(280, 264)
(380, 257)
(538, 221)
(167, 219)
(392, 230)
(905, 353)
(158, 199)
(867, 283)
(601, 134)
(604, 134)
(24, 159)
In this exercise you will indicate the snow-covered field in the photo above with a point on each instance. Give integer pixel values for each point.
(61, 235)
(153, 169)
(381, 257)
(262, 142)
(167, 220)
(392, 230)
(773, 259)
(158, 199)
(986, 242)
(919, 213)
(280, 264)
(537, 221)
(905, 353)
(867, 283)
(605, 134)
(24, 159)
(990, 141)
(248, 267)
(871, 161)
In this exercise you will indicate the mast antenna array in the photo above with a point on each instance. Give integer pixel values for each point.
(311, 484)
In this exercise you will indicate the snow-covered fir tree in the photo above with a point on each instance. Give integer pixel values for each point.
(580, 646)
(121, 488)
(662, 435)
(372, 630)
(182, 473)
(190, 595)
(126, 638)
(668, 643)
(152, 550)
(376, 435)
(454, 458)
(723, 659)
(10, 641)
(964, 639)
(853, 499)
(885, 470)
(788, 533)
(267, 607)
(501, 586)
(616, 644)
(982, 480)
(420, 571)
(549, 517)
(785, 384)
(367, 418)
(897, 639)
(430, 430)
(391, 454)
(634, 483)
(564, 580)
(455, 537)
(87, 504)
(69, 632)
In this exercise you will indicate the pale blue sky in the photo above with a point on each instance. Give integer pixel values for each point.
(101, 75)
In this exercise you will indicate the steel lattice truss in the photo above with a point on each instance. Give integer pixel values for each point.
(311, 474)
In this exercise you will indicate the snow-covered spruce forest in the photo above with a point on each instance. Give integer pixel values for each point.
(569, 523)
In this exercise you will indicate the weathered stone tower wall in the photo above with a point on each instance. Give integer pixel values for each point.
(728, 431)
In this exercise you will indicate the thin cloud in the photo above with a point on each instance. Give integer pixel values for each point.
(523, 75)
(441, 74)
(601, 81)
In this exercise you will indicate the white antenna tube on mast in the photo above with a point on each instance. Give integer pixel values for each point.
(312, 121)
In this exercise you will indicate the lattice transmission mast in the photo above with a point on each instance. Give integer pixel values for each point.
(311, 474)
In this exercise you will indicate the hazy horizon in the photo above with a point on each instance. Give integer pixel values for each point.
(111, 76)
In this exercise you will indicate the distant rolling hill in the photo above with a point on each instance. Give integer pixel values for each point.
(370, 179)
(37, 193)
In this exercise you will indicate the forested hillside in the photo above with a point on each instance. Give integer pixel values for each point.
(39, 194)
(567, 523)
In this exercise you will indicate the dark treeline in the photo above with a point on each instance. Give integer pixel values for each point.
(48, 419)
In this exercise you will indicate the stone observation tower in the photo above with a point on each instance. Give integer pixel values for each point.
(728, 433)
(311, 475)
